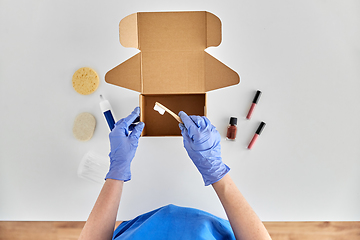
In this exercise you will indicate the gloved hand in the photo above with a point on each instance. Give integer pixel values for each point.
(202, 143)
(123, 145)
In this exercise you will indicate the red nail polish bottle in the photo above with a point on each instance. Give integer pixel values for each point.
(232, 129)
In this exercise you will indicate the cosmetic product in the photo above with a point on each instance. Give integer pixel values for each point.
(254, 102)
(232, 129)
(257, 134)
(107, 111)
(161, 109)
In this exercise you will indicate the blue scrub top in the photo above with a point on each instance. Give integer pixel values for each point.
(173, 222)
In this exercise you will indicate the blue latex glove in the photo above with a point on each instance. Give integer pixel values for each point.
(202, 143)
(123, 146)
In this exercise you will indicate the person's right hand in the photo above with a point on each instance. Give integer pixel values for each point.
(124, 139)
(202, 143)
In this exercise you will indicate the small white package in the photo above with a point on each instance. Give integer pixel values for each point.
(94, 167)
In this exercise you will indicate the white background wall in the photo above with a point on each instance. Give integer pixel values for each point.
(303, 55)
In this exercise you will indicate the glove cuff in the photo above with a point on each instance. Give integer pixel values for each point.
(115, 175)
(216, 176)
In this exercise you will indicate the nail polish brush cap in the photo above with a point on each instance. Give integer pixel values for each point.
(233, 121)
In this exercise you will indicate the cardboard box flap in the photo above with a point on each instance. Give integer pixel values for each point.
(127, 74)
(213, 30)
(128, 31)
(172, 58)
(173, 72)
(178, 31)
(217, 74)
(172, 31)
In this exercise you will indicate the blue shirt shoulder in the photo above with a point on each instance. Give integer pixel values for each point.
(174, 222)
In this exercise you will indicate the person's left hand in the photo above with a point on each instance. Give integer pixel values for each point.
(202, 143)
(123, 146)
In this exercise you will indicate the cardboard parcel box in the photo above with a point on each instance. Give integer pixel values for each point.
(172, 67)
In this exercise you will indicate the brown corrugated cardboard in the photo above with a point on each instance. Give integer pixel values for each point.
(172, 67)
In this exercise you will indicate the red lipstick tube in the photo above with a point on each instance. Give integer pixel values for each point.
(254, 102)
(257, 134)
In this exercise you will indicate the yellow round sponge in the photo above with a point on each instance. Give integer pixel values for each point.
(85, 80)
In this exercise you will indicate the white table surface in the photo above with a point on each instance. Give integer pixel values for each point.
(303, 55)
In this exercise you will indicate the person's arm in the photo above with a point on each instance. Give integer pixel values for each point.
(243, 220)
(202, 143)
(124, 140)
(101, 222)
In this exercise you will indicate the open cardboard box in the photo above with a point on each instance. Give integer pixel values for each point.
(172, 67)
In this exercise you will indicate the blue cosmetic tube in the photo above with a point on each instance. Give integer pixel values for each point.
(107, 111)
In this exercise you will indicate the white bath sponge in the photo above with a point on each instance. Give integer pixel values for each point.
(84, 126)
